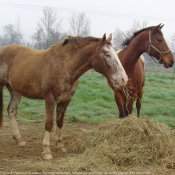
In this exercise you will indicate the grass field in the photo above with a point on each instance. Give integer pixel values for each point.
(94, 101)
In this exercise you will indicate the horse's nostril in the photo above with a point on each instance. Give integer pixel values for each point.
(124, 80)
(171, 64)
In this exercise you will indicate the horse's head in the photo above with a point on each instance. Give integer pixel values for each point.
(158, 48)
(106, 62)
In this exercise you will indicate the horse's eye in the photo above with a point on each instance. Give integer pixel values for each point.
(107, 54)
(160, 40)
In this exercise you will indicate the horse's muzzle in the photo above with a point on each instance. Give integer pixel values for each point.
(123, 81)
(168, 65)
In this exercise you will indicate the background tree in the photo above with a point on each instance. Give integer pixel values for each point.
(0, 41)
(12, 34)
(120, 36)
(37, 36)
(79, 24)
(172, 43)
(136, 25)
(48, 29)
(19, 35)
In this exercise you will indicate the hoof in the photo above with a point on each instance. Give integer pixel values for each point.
(62, 149)
(21, 143)
(47, 156)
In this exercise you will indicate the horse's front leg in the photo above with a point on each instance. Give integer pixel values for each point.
(120, 101)
(129, 107)
(130, 102)
(50, 105)
(61, 109)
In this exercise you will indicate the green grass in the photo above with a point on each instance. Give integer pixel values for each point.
(158, 101)
(94, 101)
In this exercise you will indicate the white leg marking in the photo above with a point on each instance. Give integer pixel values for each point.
(14, 127)
(58, 139)
(46, 145)
(15, 131)
(46, 141)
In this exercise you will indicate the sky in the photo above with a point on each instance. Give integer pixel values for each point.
(104, 15)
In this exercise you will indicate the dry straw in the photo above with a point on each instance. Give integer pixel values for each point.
(129, 95)
(122, 143)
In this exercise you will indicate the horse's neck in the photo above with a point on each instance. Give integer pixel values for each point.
(81, 62)
(80, 69)
(130, 55)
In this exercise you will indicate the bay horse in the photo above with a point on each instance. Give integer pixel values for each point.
(151, 41)
(129, 93)
(52, 75)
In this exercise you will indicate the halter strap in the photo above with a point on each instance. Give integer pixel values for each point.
(151, 45)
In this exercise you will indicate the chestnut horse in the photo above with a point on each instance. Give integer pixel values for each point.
(148, 40)
(52, 75)
(128, 91)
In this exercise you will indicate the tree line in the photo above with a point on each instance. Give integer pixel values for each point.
(49, 31)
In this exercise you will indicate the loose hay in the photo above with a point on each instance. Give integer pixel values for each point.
(122, 143)
(129, 95)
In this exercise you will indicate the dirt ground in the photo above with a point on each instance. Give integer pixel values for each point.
(28, 160)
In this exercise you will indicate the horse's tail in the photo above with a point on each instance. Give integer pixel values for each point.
(1, 108)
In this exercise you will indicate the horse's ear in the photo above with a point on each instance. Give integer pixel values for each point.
(66, 40)
(104, 38)
(155, 28)
(161, 26)
(110, 37)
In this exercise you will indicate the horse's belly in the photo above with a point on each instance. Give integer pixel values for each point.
(29, 90)
(40, 88)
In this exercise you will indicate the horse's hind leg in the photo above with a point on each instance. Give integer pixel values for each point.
(12, 111)
(61, 109)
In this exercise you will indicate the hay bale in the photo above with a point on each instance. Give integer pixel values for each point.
(124, 142)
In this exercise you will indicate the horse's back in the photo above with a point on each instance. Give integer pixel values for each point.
(7, 55)
(16, 51)
(13, 57)
(22, 68)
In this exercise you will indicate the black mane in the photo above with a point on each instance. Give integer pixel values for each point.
(128, 40)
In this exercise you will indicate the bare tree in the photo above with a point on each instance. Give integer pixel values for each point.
(19, 35)
(1, 40)
(12, 34)
(48, 28)
(37, 36)
(120, 36)
(79, 24)
(172, 43)
(136, 25)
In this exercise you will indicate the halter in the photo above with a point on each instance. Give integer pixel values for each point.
(150, 45)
